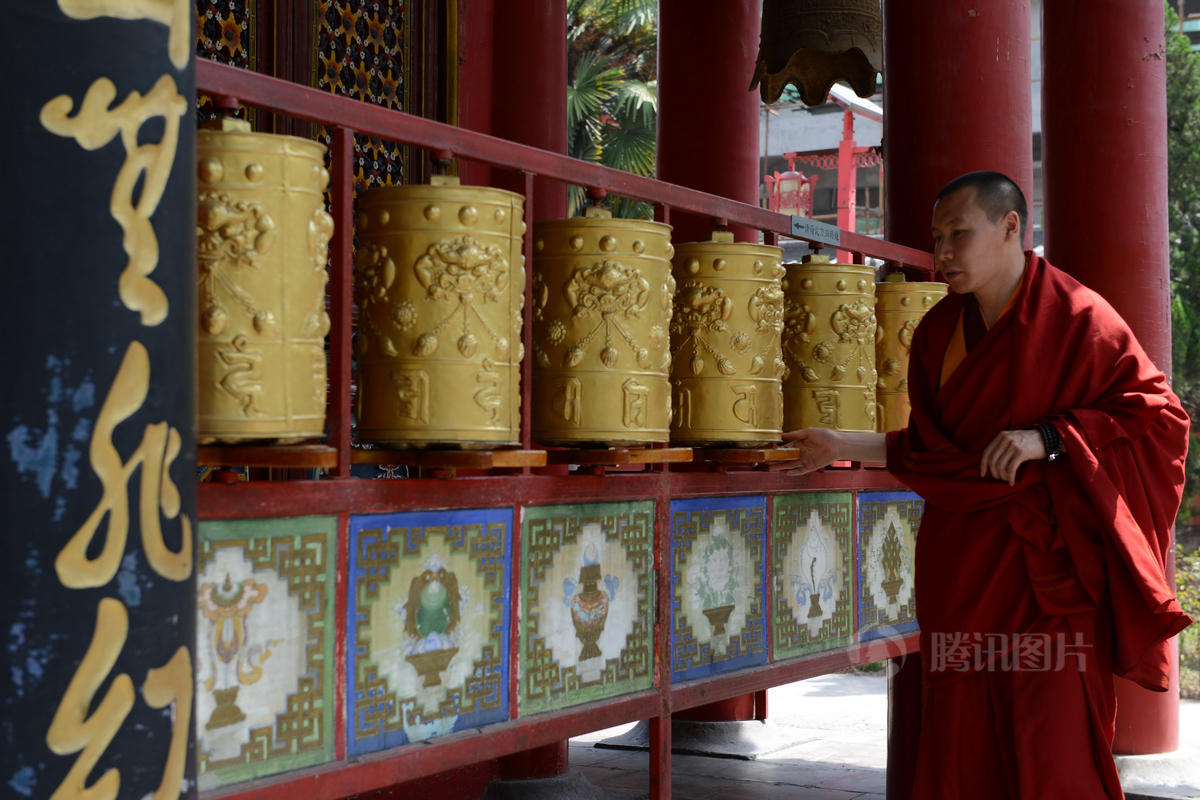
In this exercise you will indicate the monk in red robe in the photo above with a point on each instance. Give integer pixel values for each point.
(1050, 452)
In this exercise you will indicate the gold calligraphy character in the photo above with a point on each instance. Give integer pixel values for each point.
(73, 730)
(94, 126)
(159, 446)
(175, 14)
(172, 683)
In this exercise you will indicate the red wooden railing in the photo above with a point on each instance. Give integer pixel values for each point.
(346, 117)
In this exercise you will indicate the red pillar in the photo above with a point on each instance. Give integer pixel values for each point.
(529, 105)
(847, 191)
(707, 117)
(1104, 104)
(708, 140)
(529, 91)
(474, 99)
(957, 99)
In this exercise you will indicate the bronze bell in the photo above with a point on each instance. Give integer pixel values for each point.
(813, 43)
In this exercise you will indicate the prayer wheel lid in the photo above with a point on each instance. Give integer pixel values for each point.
(894, 277)
(227, 124)
(597, 212)
(444, 180)
(816, 258)
(722, 236)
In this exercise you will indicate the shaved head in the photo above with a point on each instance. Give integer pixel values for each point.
(996, 193)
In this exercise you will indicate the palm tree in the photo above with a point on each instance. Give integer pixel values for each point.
(612, 94)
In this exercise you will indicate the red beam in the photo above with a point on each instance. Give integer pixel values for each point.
(721, 687)
(251, 499)
(315, 104)
(420, 760)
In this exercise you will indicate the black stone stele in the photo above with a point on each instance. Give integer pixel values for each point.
(98, 607)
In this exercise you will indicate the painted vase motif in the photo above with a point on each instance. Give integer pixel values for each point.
(589, 603)
(430, 617)
(815, 580)
(717, 587)
(227, 607)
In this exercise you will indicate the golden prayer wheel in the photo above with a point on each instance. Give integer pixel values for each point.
(602, 291)
(829, 345)
(814, 44)
(899, 307)
(726, 362)
(262, 245)
(440, 283)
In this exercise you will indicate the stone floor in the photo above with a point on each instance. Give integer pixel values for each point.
(835, 748)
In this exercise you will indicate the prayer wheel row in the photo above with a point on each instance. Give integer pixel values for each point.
(634, 340)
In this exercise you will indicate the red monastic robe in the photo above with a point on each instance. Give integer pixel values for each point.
(1030, 597)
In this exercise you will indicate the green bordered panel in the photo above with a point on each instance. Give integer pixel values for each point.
(814, 573)
(587, 601)
(264, 647)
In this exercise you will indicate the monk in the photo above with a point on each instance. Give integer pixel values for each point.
(1050, 452)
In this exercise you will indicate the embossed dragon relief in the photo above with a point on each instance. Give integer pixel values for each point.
(461, 272)
(852, 345)
(606, 297)
(702, 315)
(231, 237)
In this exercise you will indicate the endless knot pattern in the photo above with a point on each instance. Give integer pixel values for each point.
(299, 551)
(470, 688)
(792, 525)
(694, 651)
(551, 536)
(875, 511)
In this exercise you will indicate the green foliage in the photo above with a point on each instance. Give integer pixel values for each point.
(612, 94)
(1187, 587)
(1183, 209)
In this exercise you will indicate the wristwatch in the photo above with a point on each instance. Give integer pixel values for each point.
(1052, 441)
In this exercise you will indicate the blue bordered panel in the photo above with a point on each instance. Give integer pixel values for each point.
(718, 585)
(427, 624)
(887, 537)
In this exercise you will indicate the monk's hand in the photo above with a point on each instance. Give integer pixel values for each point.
(1008, 451)
(818, 447)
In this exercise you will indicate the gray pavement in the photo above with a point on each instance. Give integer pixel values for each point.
(828, 741)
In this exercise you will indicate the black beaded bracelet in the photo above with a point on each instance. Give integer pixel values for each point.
(1051, 440)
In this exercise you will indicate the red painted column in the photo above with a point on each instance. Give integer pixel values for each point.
(957, 99)
(529, 91)
(708, 140)
(847, 190)
(707, 117)
(529, 105)
(475, 53)
(1104, 102)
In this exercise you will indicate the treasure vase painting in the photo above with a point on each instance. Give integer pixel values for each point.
(587, 576)
(264, 649)
(428, 621)
(887, 543)
(718, 585)
(814, 573)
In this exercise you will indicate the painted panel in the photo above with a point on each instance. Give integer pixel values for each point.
(264, 649)
(428, 625)
(718, 585)
(587, 589)
(887, 542)
(814, 573)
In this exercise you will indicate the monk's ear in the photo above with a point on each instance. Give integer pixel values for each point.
(1012, 224)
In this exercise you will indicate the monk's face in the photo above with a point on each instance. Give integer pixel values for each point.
(969, 249)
